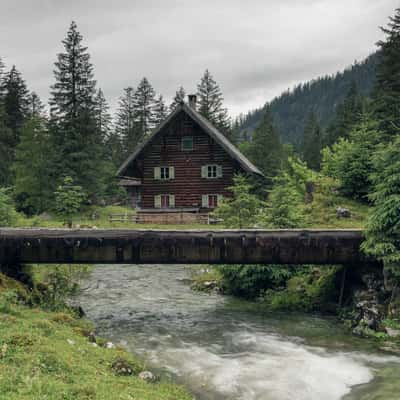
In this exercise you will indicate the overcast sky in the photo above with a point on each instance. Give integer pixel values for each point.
(255, 49)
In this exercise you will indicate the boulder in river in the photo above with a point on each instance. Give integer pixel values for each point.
(147, 376)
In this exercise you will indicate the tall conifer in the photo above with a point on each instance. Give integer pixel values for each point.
(210, 104)
(73, 123)
(125, 126)
(160, 110)
(179, 96)
(144, 107)
(265, 149)
(387, 91)
(312, 142)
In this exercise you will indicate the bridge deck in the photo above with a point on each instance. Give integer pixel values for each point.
(301, 246)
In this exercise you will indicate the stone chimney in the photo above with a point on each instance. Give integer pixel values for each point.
(192, 101)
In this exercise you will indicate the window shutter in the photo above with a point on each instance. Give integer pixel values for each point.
(171, 172)
(157, 201)
(204, 171)
(204, 200)
(219, 171)
(220, 197)
(157, 173)
(172, 200)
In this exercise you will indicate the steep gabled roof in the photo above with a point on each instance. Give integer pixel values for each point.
(207, 127)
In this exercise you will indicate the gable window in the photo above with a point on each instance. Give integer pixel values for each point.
(164, 173)
(164, 201)
(187, 143)
(211, 171)
(211, 200)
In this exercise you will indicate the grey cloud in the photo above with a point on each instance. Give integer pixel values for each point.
(255, 49)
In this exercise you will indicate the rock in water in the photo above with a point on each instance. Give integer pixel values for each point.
(147, 376)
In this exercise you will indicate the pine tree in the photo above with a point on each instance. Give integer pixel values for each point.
(6, 150)
(242, 210)
(125, 127)
(143, 106)
(102, 115)
(15, 102)
(33, 167)
(265, 149)
(14, 107)
(387, 91)
(348, 114)
(383, 233)
(210, 102)
(2, 68)
(180, 96)
(285, 205)
(76, 140)
(35, 106)
(350, 160)
(160, 110)
(312, 142)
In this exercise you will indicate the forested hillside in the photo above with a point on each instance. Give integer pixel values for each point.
(290, 110)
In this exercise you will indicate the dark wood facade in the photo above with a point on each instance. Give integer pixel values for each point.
(197, 179)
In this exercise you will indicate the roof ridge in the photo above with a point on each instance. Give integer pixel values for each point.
(219, 137)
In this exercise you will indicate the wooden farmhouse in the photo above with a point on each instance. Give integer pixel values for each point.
(183, 169)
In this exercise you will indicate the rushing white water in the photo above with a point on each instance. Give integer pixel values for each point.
(220, 351)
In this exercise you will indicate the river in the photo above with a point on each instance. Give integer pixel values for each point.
(222, 348)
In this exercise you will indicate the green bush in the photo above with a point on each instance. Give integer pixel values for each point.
(8, 215)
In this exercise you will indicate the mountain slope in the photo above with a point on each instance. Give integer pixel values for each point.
(291, 109)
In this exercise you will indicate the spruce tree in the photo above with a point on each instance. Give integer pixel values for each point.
(265, 149)
(2, 68)
(33, 167)
(210, 104)
(383, 233)
(312, 142)
(160, 110)
(180, 96)
(386, 98)
(348, 114)
(350, 160)
(35, 106)
(102, 115)
(76, 140)
(143, 106)
(125, 127)
(14, 109)
(15, 102)
(6, 149)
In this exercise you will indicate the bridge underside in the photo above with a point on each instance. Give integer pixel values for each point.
(181, 247)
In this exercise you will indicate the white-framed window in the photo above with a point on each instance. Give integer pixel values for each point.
(211, 171)
(187, 143)
(164, 201)
(164, 173)
(211, 200)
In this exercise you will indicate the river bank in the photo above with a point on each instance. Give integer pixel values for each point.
(223, 348)
(54, 355)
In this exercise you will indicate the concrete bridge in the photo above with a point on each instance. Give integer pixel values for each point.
(117, 246)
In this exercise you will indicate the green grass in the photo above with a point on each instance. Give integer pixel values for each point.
(45, 355)
(85, 220)
(323, 212)
(322, 215)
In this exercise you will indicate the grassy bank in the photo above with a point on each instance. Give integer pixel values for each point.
(50, 355)
(322, 214)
